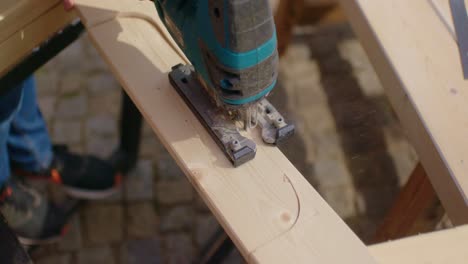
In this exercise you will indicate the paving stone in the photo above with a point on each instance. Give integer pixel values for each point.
(102, 147)
(296, 52)
(102, 83)
(146, 129)
(144, 251)
(234, 258)
(200, 205)
(99, 255)
(102, 125)
(47, 106)
(142, 221)
(150, 147)
(386, 117)
(318, 120)
(54, 259)
(95, 63)
(205, 228)
(46, 82)
(139, 182)
(179, 249)
(78, 148)
(296, 89)
(71, 83)
(404, 157)
(70, 59)
(108, 104)
(173, 192)
(352, 51)
(72, 107)
(177, 218)
(331, 171)
(72, 240)
(67, 132)
(168, 168)
(341, 199)
(103, 223)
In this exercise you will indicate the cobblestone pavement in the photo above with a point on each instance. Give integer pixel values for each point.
(349, 146)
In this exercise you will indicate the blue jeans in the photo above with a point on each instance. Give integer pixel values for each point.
(24, 140)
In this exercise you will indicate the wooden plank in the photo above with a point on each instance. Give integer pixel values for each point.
(21, 43)
(16, 14)
(417, 209)
(418, 63)
(266, 206)
(448, 246)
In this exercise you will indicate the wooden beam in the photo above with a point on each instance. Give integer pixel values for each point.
(16, 14)
(418, 62)
(417, 209)
(448, 246)
(28, 28)
(266, 206)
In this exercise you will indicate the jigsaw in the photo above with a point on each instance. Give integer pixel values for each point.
(233, 50)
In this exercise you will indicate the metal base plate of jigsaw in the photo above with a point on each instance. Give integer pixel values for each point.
(224, 131)
(237, 148)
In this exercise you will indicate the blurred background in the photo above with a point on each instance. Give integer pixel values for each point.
(349, 146)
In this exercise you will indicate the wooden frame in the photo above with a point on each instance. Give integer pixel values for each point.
(418, 62)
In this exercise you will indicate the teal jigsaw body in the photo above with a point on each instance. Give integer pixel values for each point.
(231, 44)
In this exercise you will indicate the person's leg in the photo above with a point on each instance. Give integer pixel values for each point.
(31, 154)
(28, 142)
(9, 103)
(34, 219)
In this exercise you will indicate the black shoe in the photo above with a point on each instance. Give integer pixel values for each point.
(35, 220)
(84, 177)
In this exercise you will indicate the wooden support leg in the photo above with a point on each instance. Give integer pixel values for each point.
(417, 209)
(292, 12)
(287, 15)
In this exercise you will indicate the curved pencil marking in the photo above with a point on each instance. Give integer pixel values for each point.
(286, 179)
(151, 21)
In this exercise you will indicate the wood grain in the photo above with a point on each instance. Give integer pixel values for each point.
(16, 14)
(266, 206)
(28, 31)
(417, 60)
(448, 246)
